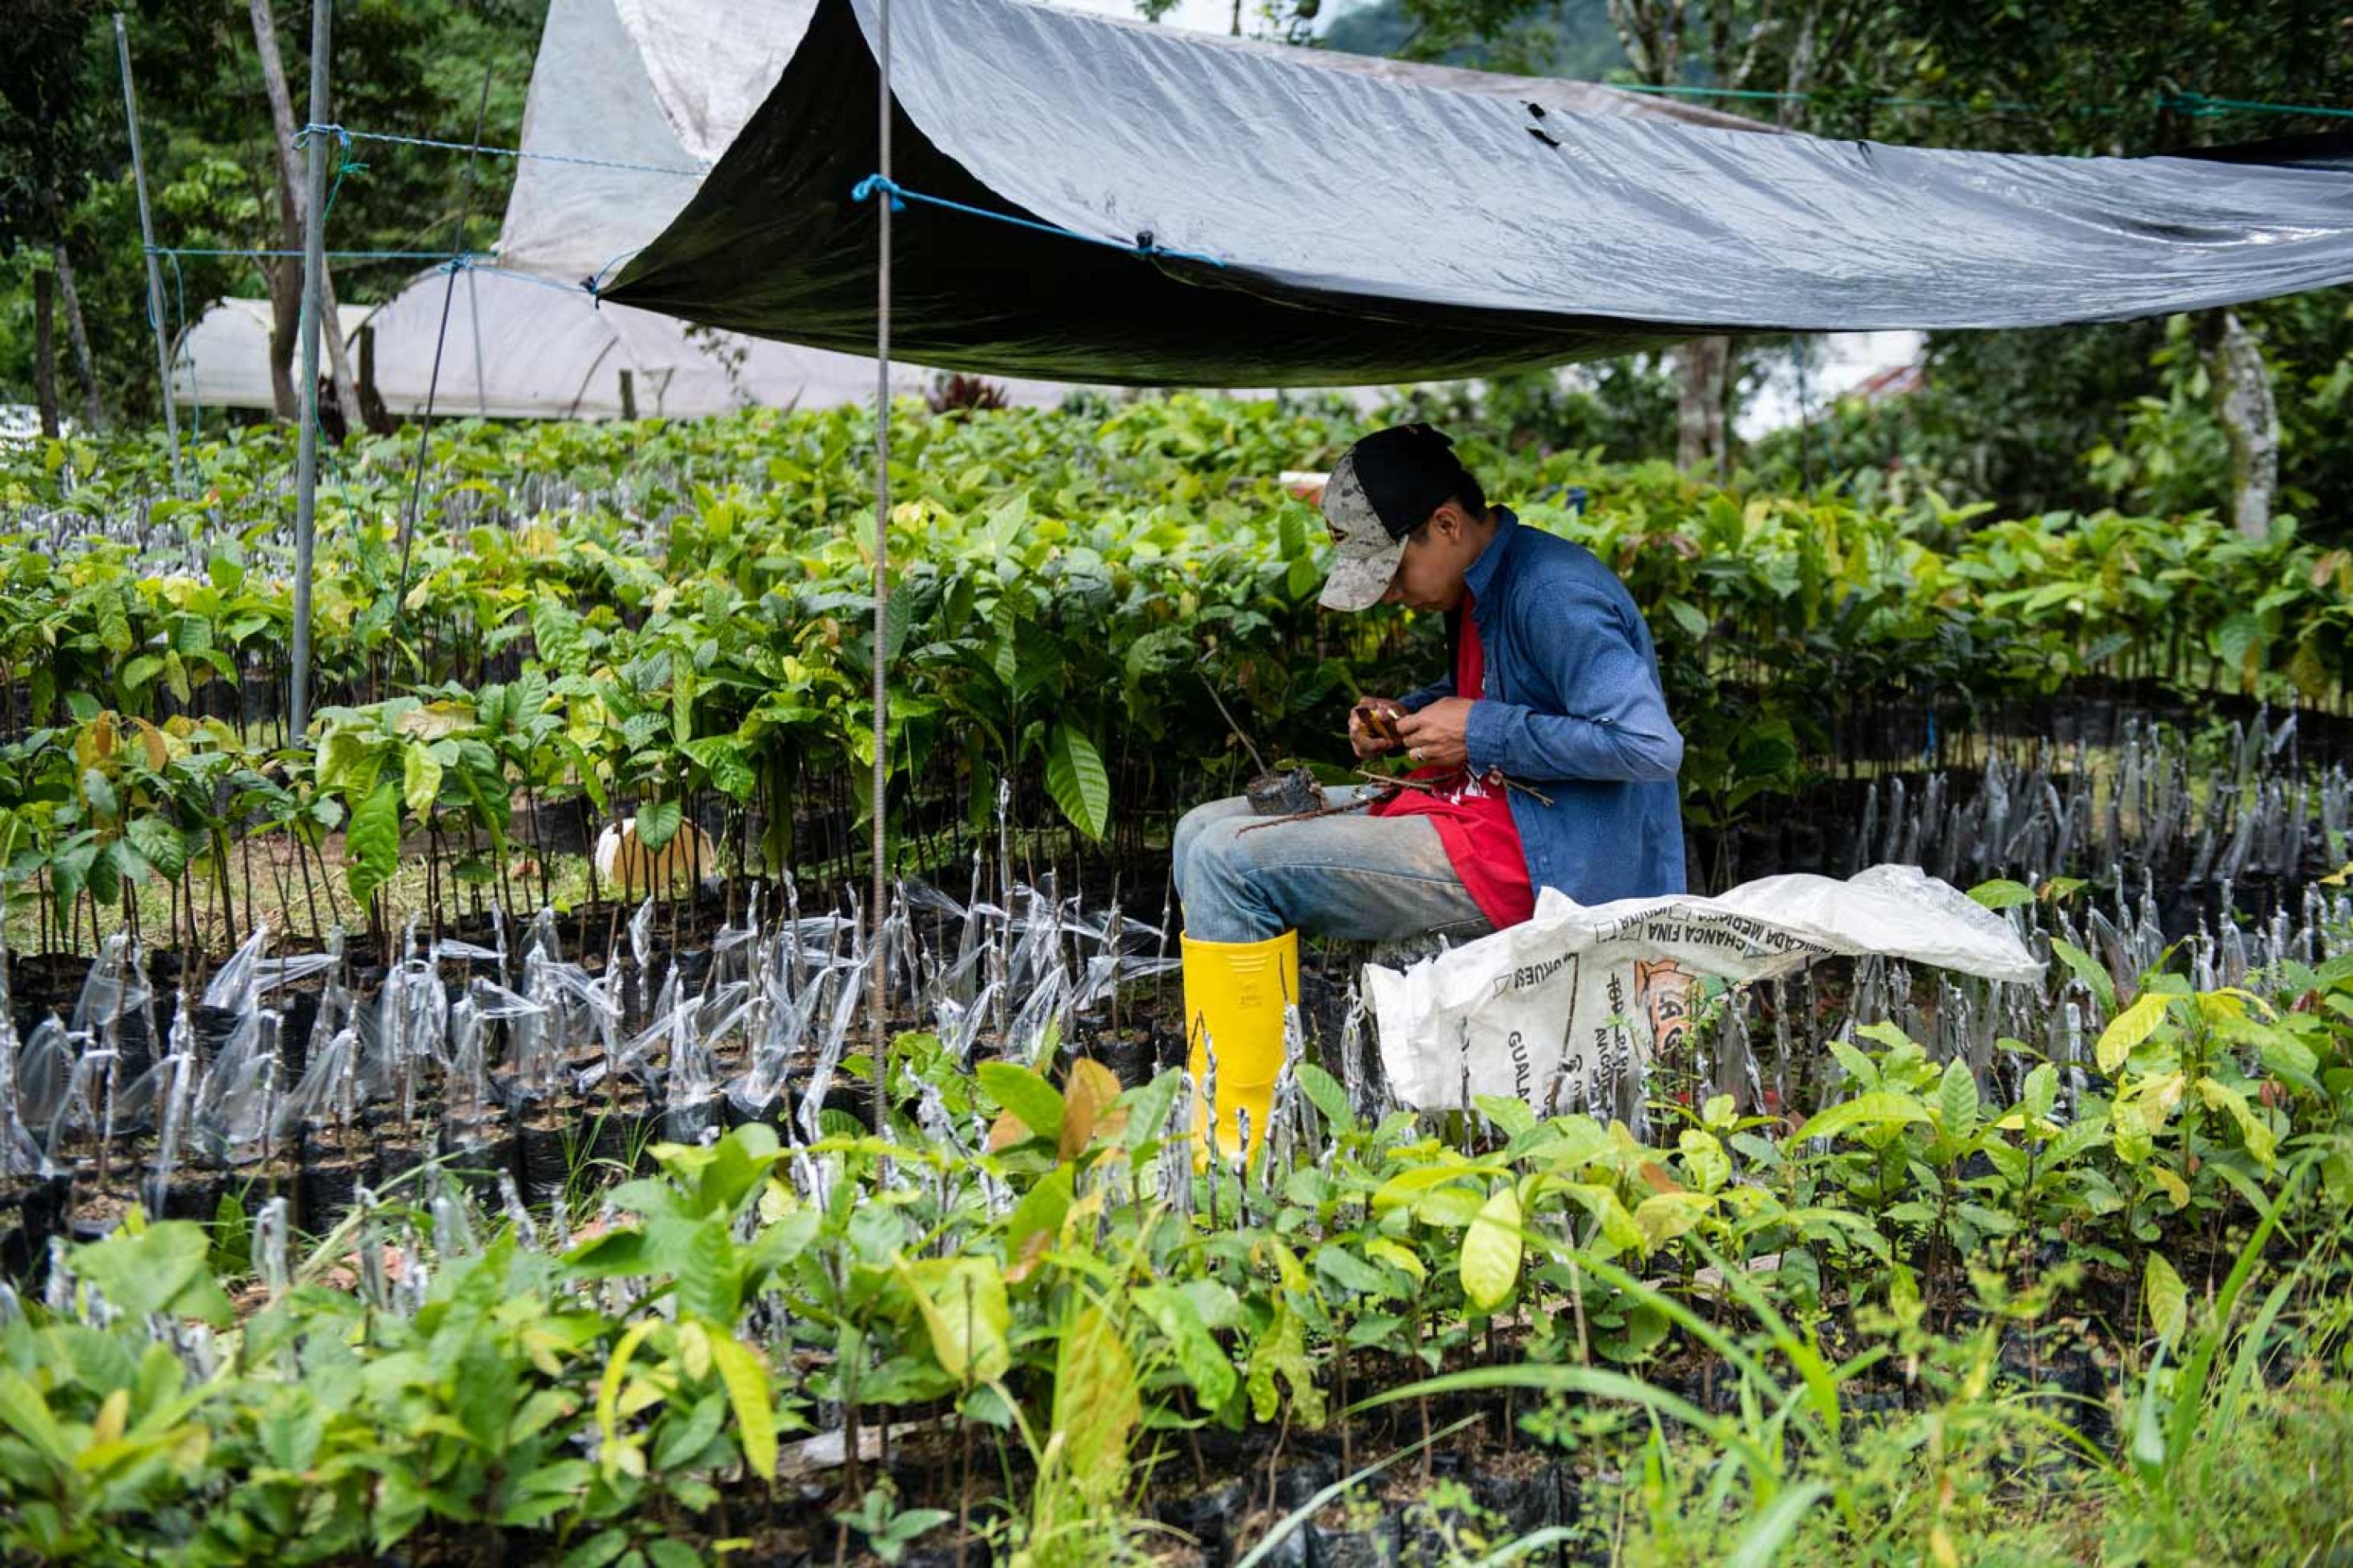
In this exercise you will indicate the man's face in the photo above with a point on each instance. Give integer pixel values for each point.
(1429, 573)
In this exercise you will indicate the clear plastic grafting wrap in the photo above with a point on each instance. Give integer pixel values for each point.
(1055, 958)
(20, 1155)
(238, 1093)
(1567, 1010)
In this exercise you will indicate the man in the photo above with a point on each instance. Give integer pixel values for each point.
(1546, 760)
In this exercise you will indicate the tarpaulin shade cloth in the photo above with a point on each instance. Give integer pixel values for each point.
(1365, 222)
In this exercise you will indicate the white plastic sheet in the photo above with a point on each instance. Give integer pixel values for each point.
(1566, 1010)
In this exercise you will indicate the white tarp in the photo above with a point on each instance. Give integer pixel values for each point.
(223, 361)
(664, 84)
(519, 347)
(1566, 1010)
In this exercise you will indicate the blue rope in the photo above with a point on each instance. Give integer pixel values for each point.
(899, 196)
(348, 137)
(595, 281)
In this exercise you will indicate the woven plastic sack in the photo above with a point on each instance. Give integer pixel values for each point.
(1566, 1010)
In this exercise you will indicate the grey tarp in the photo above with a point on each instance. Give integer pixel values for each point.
(1362, 225)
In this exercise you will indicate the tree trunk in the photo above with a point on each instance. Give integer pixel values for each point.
(283, 331)
(2249, 416)
(1791, 110)
(1704, 364)
(45, 350)
(78, 334)
(285, 327)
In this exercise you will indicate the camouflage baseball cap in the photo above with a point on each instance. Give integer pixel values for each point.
(1385, 487)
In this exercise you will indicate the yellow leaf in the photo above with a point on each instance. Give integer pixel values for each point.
(2175, 1187)
(1091, 1088)
(965, 1309)
(1402, 1258)
(112, 1416)
(154, 741)
(616, 1454)
(1097, 1404)
(1663, 1217)
(694, 1350)
(434, 721)
(1490, 1251)
(2129, 1029)
(747, 1391)
(2167, 1298)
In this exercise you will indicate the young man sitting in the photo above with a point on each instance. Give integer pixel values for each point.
(1545, 760)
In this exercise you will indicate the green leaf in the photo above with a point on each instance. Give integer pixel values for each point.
(709, 1283)
(1877, 1107)
(2002, 894)
(1761, 1547)
(2167, 1297)
(164, 847)
(372, 847)
(657, 822)
(97, 790)
(1203, 1362)
(1041, 1208)
(161, 1269)
(2129, 1029)
(1327, 1094)
(1025, 1093)
(2042, 1094)
(1076, 779)
(965, 1309)
(1490, 1251)
(113, 621)
(2087, 970)
(1282, 1350)
(1688, 617)
(2253, 1131)
(1957, 1100)
(1512, 1115)
(722, 757)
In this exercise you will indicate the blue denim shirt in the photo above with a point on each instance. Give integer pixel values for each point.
(1573, 708)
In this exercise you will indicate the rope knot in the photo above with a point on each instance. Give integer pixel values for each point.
(864, 191)
(329, 129)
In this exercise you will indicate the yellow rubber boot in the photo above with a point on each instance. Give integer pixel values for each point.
(1234, 995)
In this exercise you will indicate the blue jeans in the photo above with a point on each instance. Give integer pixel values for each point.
(1363, 878)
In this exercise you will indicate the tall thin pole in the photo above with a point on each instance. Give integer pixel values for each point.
(314, 268)
(878, 907)
(154, 271)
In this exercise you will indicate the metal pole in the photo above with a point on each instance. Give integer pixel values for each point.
(154, 272)
(314, 268)
(879, 907)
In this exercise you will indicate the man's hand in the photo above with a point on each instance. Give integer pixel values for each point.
(1365, 721)
(1438, 733)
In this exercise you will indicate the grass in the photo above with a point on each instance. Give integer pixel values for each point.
(2269, 1482)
